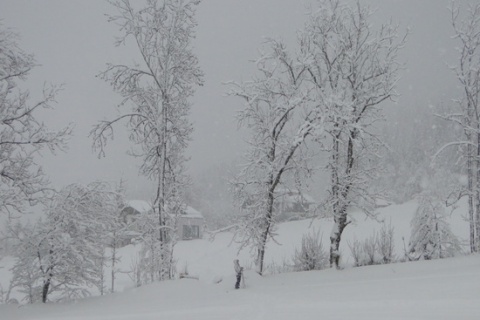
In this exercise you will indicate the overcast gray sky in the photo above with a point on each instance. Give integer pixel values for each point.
(73, 41)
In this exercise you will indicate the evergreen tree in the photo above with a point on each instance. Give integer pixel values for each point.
(431, 236)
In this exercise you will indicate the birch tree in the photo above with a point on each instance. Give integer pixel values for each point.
(22, 134)
(156, 92)
(354, 69)
(276, 113)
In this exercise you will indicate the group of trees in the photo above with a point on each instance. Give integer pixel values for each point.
(326, 97)
(64, 252)
(321, 100)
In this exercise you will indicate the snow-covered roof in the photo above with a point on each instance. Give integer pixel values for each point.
(144, 206)
(192, 213)
(139, 205)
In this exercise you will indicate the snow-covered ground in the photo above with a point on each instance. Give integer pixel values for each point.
(440, 289)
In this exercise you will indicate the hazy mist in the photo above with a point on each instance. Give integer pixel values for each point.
(72, 41)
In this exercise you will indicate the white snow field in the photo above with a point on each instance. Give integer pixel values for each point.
(439, 289)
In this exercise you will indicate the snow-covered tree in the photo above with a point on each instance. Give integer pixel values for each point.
(115, 230)
(467, 111)
(354, 68)
(152, 259)
(277, 116)
(156, 93)
(431, 236)
(63, 252)
(22, 134)
(26, 271)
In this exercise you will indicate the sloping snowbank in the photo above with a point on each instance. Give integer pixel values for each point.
(440, 289)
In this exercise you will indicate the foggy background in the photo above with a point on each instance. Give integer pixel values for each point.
(72, 42)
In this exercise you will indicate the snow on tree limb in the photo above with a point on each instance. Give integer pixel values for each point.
(156, 91)
(22, 135)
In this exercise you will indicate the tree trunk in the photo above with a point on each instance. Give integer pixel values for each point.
(46, 287)
(161, 194)
(476, 219)
(340, 191)
(164, 273)
(470, 196)
(335, 237)
(264, 236)
(114, 258)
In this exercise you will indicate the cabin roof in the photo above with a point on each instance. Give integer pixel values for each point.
(192, 213)
(139, 205)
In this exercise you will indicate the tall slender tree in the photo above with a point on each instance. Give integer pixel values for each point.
(354, 69)
(467, 114)
(156, 93)
(276, 113)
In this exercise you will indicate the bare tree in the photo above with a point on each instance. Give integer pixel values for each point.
(156, 92)
(22, 134)
(354, 68)
(277, 115)
(467, 113)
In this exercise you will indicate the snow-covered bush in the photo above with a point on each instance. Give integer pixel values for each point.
(431, 236)
(376, 249)
(311, 255)
(63, 253)
(364, 252)
(135, 271)
(279, 267)
(385, 244)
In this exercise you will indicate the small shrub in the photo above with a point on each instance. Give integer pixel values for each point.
(135, 273)
(370, 249)
(377, 249)
(363, 252)
(385, 244)
(311, 255)
(282, 267)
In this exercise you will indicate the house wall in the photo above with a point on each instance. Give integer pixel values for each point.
(189, 221)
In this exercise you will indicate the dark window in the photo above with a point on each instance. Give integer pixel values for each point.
(191, 232)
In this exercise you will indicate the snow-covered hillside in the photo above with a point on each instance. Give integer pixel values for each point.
(213, 259)
(440, 289)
